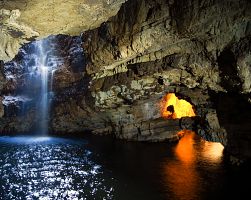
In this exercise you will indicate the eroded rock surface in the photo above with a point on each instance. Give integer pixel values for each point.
(199, 50)
(22, 21)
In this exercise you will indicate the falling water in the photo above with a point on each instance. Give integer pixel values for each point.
(32, 73)
(47, 61)
(43, 106)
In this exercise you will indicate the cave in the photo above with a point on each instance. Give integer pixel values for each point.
(174, 108)
(125, 99)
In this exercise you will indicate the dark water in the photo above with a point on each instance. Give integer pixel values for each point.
(103, 168)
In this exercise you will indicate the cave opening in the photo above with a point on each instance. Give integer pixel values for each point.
(174, 108)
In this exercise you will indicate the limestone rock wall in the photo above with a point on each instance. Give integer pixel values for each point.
(199, 50)
(22, 21)
(146, 31)
(13, 34)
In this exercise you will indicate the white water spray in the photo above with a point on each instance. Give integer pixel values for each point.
(44, 105)
(38, 64)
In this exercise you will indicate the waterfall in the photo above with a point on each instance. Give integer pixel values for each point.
(44, 72)
(30, 79)
(47, 60)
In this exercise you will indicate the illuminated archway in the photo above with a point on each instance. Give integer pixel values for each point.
(174, 108)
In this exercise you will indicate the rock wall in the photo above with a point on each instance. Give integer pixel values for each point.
(21, 88)
(199, 50)
(24, 20)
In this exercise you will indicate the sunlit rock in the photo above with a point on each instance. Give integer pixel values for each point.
(13, 34)
(174, 108)
(25, 20)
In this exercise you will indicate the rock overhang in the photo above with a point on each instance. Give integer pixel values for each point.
(26, 20)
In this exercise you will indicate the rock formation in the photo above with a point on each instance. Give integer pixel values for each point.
(25, 20)
(199, 50)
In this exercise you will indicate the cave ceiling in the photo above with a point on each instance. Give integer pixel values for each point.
(24, 20)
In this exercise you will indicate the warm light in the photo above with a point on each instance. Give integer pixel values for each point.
(182, 172)
(213, 151)
(173, 108)
(192, 153)
(185, 150)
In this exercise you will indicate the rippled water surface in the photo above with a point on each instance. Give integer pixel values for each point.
(103, 168)
(51, 168)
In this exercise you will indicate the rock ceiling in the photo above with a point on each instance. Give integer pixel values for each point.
(24, 20)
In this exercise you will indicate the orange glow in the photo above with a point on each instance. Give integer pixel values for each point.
(184, 149)
(183, 172)
(174, 108)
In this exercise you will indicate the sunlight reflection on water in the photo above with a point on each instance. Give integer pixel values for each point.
(50, 168)
(183, 172)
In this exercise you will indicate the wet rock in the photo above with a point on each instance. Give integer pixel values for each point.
(211, 129)
(188, 123)
(153, 130)
(1, 107)
(64, 77)
(18, 124)
(16, 105)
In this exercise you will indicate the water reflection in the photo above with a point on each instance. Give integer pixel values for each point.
(185, 150)
(182, 172)
(212, 151)
(104, 168)
(50, 168)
